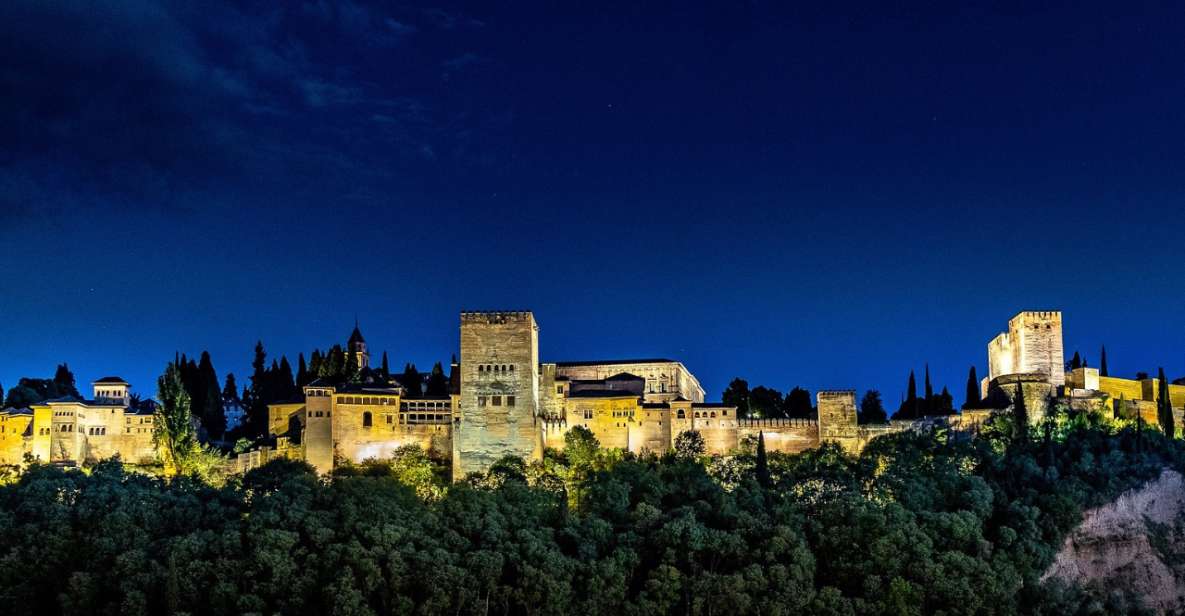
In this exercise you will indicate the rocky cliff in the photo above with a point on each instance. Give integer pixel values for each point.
(1136, 543)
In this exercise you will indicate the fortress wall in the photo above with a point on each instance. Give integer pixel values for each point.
(837, 418)
(784, 435)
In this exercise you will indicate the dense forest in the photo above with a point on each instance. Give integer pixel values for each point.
(918, 523)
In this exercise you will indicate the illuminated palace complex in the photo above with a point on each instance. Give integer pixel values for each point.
(503, 400)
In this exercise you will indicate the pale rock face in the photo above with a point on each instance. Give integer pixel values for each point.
(1112, 548)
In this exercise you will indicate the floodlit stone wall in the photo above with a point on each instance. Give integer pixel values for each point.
(837, 418)
(499, 399)
(665, 380)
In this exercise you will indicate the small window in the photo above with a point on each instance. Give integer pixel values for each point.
(681, 414)
(367, 419)
(496, 400)
(512, 367)
(481, 368)
(481, 401)
(559, 389)
(509, 400)
(588, 414)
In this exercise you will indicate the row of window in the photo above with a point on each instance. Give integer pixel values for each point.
(425, 405)
(411, 418)
(495, 367)
(364, 400)
(495, 400)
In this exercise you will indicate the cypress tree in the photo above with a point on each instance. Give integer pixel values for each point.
(1, 391)
(255, 395)
(210, 411)
(230, 392)
(973, 398)
(1164, 406)
(302, 371)
(1076, 361)
(929, 387)
(315, 365)
(286, 387)
(911, 397)
(762, 470)
(1020, 415)
(351, 374)
(437, 382)
(411, 381)
(386, 367)
(1103, 361)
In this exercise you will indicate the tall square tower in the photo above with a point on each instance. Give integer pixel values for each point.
(499, 401)
(1032, 344)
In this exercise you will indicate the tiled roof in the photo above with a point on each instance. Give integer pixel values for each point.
(112, 379)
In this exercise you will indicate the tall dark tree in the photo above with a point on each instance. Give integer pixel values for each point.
(1, 391)
(352, 372)
(943, 404)
(63, 381)
(1103, 361)
(1020, 415)
(210, 411)
(1164, 406)
(737, 395)
(302, 371)
(973, 397)
(285, 384)
(333, 367)
(437, 382)
(1075, 361)
(230, 391)
(411, 381)
(386, 368)
(762, 469)
(255, 399)
(872, 408)
(909, 408)
(315, 363)
(798, 403)
(929, 387)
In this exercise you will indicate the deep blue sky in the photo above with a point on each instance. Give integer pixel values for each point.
(825, 197)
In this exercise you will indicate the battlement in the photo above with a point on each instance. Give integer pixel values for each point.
(494, 317)
(1038, 315)
(836, 393)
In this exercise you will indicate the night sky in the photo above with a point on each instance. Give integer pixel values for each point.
(824, 197)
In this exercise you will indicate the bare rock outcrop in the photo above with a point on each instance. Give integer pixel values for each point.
(1132, 543)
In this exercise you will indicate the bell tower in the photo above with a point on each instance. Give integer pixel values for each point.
(357, 347)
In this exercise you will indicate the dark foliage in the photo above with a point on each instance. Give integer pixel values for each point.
(917, 524)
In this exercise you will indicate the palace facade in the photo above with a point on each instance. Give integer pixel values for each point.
(502, 399)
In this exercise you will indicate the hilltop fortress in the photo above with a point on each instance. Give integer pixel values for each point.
(503, 400)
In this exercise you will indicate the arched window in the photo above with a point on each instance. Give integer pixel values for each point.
(367, 419)
(681, 415)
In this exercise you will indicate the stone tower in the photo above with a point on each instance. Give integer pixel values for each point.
(357, 347)
(837, 418)
(499, 401)
(1032, 345)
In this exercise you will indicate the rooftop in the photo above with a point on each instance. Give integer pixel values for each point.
(113, 380)
(614, 362)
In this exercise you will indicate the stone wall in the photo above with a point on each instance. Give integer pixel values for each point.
(837, 418)
(784, 435)
(499, 358)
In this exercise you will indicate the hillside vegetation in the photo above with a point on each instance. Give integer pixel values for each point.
(925, 523)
